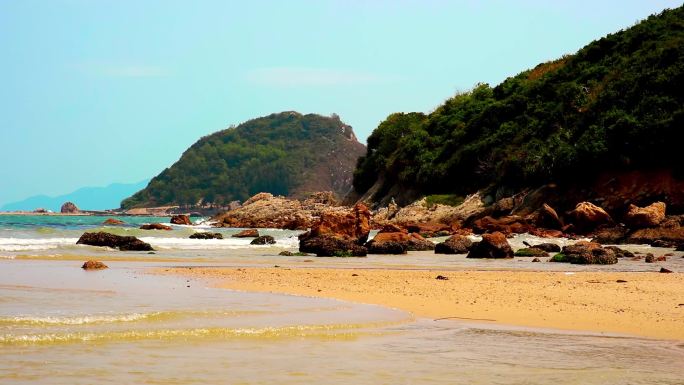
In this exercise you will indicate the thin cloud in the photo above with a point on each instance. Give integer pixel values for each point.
(313, 77)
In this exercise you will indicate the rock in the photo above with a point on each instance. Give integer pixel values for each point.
(331, 246)
(94, 265)
(456, 244)
(416, 242)
(442, 278)
(587, 216)
(531, 252)
(670, 230)
(428, 230)
(665, 244)
(113, 241)
(610, 235)
(69, 208)
(386, 247)
(291, 254)
(181, 219)
(506, 225)
(155, 226)
(113, 222)
(257, 197)
(649, 216)
(263, 240)
(322, 197)
(493, 245)
(620, 253)
(548, 218)
(664, 270)
(680, 248)
(586, 253)
(548, 247)
(536, 260)
(662, 258)
(247, 233)
(204, 235)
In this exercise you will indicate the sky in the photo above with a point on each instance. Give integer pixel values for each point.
(97, 92)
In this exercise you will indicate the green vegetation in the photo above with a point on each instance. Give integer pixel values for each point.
(560, 257)
(443, 199)
(617, 103)
(280, 153)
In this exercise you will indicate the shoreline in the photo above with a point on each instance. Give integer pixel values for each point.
(647, 305)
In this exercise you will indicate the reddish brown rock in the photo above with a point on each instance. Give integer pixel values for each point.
(247, 233)
(429, 230)
(155, 226)
(94, 265)
(113, 222)
(397, 242)
(670, 231)
(181, 220)
(649, 216)
(546, 217)
(338, 233)
(506, 225)
(587, 216)
(493, 245)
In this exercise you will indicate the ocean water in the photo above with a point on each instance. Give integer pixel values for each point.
(62, 325)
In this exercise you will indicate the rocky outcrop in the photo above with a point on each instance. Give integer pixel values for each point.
(493, 245)
(263, 240)
(587, 216)
(641, 217)
(420, 212)
(181, 219)
(264, 210)
(338, 233)
(586, 253)
(69, 208)
(670, 231)
(506, 225)
(456, 244)
(204, 235)
(247, 233)
(114, 241)
(155, 226)
(113, 222)
(94, 265)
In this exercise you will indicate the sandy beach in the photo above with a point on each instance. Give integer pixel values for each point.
(646, 304)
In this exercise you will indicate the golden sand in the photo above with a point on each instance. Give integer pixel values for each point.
(647, 304)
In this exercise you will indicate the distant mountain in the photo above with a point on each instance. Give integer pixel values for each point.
(86, 198)
(287, 153)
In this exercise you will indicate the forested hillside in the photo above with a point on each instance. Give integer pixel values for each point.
(287, 154)
(618, 104)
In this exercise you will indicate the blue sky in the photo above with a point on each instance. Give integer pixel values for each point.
(95, 92)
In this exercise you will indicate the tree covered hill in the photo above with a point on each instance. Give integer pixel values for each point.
(286, 153)
(617, 104)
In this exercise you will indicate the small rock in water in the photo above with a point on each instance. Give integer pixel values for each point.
(94, 265)
(536, 260)
(662, 258)
(664, 270)
(263, 240)
(442, 278)
(649, 258)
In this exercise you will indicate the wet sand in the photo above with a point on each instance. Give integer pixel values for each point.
(646, 305)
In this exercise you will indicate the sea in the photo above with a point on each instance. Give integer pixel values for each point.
(123, 325)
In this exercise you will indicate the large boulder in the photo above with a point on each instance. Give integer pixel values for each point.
(386, 247)
(69, 208)
(327, 245)
(587, 217)
(114, 241)
(493, 245)
(456, 244)
(649, 216)
(670, 231)
(247, 233)
(155, 226)
(586, 253)
(393, 240)
(181, 219)
(546, 217)
(342, 229)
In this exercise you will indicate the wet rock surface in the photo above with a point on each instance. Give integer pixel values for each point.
(114, 241)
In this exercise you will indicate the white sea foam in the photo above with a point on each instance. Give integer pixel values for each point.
(22, 244)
